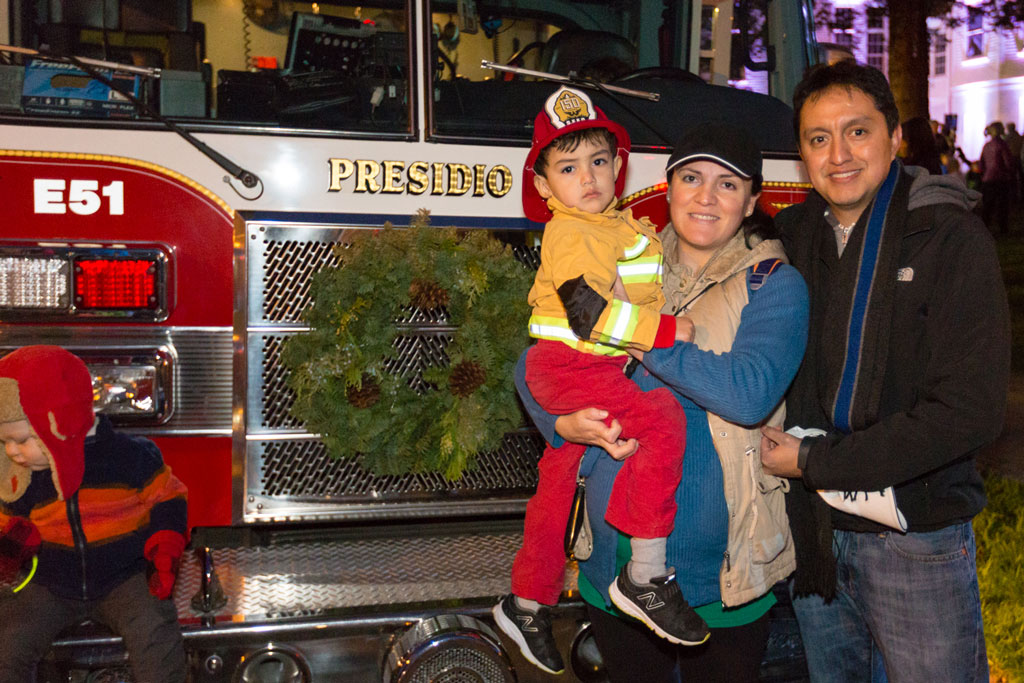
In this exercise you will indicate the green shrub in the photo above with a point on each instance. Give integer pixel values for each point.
(999, 530)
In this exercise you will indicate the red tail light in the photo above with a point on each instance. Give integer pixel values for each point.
(115, 284)
(52, 281)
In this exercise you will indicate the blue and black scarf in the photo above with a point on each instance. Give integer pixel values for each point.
(849, 356)
(858, 315)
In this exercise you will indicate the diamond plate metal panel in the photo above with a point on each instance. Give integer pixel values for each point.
(306, 579)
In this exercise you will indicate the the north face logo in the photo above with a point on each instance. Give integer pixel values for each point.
(650, 601)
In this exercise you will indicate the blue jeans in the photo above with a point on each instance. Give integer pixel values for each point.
(906, 609)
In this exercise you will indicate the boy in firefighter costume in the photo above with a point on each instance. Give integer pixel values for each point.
(585, 323)
(100, 510)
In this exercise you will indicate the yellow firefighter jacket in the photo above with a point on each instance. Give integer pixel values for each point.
(596, 247)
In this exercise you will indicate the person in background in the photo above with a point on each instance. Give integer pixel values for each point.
(904, 380)
(726, 270)
(1014, 141)
(105, 515)
(942, 140)
(918, 148)
(997, 168)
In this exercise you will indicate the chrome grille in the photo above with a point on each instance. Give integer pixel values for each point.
(277, 397)
(289, 267)
(288, 472)
(415, 353)
(303, 469)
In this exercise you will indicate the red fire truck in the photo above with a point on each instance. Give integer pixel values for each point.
(169, 238)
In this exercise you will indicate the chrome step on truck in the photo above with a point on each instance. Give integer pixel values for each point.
(396, 604)
(387, 604)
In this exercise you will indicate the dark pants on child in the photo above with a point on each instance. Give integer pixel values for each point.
(642, 501)
(31, 619)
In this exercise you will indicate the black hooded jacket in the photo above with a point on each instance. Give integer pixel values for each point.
(942, 384)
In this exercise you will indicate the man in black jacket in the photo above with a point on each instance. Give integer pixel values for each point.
(904, 379)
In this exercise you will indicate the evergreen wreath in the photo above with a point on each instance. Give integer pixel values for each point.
(343, 370)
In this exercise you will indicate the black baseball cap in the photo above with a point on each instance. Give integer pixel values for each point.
(730, 146)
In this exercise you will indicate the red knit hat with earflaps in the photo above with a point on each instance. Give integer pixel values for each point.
(566, 111)
(52, 389)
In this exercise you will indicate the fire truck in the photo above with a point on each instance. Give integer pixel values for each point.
(172, 176)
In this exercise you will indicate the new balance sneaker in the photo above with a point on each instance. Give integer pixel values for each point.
(661, 606)
(531, 632)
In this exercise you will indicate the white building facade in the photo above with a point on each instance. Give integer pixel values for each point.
(976, 71)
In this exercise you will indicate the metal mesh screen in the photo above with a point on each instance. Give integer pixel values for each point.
(415, 353)
(283, 263)
(303, 469)
(277, 397)
(459, 665)
(289, 266)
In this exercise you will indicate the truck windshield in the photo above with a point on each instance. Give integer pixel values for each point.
(333, 67)
(690, 54)
(269, 64)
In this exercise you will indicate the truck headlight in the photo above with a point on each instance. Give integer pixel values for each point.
(131, 386)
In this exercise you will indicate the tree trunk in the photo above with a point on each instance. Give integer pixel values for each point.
(908, 56)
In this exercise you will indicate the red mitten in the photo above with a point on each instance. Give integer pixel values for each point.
(163, 550)
(19, 542)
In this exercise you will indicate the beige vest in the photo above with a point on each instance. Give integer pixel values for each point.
(760, 547)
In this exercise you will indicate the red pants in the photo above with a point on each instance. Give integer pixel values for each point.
(642, 501)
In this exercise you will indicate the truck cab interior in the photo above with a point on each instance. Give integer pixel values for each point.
(350, 69)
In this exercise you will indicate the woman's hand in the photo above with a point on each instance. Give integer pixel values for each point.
(685, 329)
(588, 427)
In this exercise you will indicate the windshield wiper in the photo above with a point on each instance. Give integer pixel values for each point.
(574, 79)
(92, 67)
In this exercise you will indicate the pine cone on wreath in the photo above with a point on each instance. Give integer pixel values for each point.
(366, 395)
(466, 377)
(427, 295)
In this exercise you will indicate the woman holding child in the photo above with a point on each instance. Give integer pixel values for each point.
(730, 544)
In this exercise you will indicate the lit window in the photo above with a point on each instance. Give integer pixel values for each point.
(844, 18)
(876, 38)
(975, 32)
(939, 68)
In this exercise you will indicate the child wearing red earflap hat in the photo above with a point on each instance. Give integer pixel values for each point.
(100, 510)
(596, 297)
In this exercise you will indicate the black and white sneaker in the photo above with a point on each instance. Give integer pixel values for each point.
(661, 606)
(531, 632)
